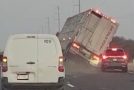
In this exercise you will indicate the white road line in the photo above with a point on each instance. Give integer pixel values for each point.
(70, 85)
(130, 72)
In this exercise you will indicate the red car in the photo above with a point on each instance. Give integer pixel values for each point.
(114, 58)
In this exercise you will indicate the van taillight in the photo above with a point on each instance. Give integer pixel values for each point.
(61, 64)
(61, 68)
(4, 64)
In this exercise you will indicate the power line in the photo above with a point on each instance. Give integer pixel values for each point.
(58, 18)
(79, 6)
(42, 29)
(48, 23)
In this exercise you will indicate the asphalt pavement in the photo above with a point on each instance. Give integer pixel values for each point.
(80, 75)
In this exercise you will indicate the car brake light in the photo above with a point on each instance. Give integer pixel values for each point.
(125, 57)
(76, 46)
(104, 57)
(114, 49)
(61, 64)
(4, 64)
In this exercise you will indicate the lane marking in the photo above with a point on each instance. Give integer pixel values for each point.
(70, 85)
(130, 72)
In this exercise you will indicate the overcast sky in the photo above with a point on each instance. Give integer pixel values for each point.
(31, 16)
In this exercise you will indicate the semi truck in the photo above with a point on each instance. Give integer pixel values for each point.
(88, 33)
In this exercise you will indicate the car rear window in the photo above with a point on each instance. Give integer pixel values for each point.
(118, 52)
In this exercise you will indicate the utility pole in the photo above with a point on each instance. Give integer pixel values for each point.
(42, 29)
(58, 18)
(79, 6)
(1, 55)
(48, 23)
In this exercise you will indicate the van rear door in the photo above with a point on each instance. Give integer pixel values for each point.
(47, 60)
(22, 55)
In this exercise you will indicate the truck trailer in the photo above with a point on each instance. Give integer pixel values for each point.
(87, 33)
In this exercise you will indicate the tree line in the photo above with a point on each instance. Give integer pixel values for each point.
(126, 44)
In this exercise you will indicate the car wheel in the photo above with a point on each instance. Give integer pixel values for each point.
(125, 69)
(103, 68)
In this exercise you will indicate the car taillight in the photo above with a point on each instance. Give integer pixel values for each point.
(114, 49)
(76, 46)
(104, 57)
(61, 64)
(4, 64)
(124, 57)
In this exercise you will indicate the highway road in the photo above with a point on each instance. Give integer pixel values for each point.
(80, 75)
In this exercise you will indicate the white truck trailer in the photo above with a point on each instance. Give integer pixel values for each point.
(87, 33)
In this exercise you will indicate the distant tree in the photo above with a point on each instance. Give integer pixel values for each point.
(127, 45)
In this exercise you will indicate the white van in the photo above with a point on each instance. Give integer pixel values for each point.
(33, 60)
